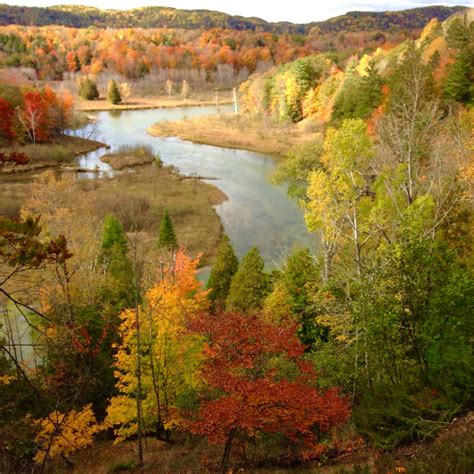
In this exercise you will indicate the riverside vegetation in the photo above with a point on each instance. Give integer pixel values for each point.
(359, 356)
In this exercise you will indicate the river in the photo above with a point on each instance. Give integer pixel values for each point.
(256, 214)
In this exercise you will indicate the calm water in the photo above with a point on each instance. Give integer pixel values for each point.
(256, 213)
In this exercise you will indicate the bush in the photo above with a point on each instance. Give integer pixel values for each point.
(88, 89)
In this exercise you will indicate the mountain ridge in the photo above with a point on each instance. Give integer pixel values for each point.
(167, 17)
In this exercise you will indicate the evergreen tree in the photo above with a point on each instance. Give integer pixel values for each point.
(300, 278)
(167, 237)
(458, 85)
(113, 93)
(119, 292)
(250, 284)
(223, 270)
(88, 89)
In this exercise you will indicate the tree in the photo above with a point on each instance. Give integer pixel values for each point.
(249, 285)
(224, 268)
(113, 93)
(113, 237)
(185, 89)
(88, 89)
(169, 355)
(338, 195)
(299, 279)
(125, 91)
(33, 116)
(169, 86)
(119, 292)
(7, 122)
(250, 394)
(167, 237)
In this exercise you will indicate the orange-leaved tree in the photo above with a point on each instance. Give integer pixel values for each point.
(154, 337)
(258, 382)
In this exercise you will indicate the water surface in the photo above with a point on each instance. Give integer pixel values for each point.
(256, 213)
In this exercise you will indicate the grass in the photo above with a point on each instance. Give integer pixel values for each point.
(131, 156)
(139, 103)
(46, 155)
(247, 132)
(139, 199)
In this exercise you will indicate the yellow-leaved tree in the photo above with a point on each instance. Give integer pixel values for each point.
(154, 337)
(61, 434)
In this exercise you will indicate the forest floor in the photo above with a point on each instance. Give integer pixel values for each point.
(450, 452)
(248, 132)
(142, 103)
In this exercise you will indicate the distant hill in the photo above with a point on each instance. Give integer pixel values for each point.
(164, 17)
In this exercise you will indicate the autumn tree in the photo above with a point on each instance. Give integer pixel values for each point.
(184, 89)
(248, 391)
(224, 268)
(125, 90)
(7, 122)
(169, 87)
(167, 236)
(249, 285)
(169, 356)
(338, 194)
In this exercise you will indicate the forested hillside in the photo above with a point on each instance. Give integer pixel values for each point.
(165, 17)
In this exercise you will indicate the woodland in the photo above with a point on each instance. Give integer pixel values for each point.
(354, 358)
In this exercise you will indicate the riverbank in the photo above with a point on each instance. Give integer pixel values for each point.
(144, 103)
(49, 155)
(240, 131)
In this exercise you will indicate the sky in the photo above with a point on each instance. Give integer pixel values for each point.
(296, 11)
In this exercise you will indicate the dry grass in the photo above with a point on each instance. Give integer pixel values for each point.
(46, 155)
(130, 157)
(140, 197)
(239, 131)
(139, 103)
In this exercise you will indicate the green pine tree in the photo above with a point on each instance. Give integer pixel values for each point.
(224, 268)
(113, 93)
(250, 284)
(167, 237)
(113, 236)
(119, 292)
(458, 85)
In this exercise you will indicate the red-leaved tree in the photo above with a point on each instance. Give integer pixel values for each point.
(258, 382)
(7, 121)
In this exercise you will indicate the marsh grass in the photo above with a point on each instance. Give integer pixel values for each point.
(247, 132)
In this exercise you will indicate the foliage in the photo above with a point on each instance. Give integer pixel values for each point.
(299, 280)
(88, 89)
(225, 266)
(249, 285)
(167, 236)
(62, 434)
(113, 93)
(258, 383)
(294, 170)
(154, 334)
